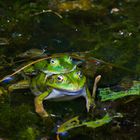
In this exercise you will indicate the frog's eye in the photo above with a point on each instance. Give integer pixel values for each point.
(53, 61)
(79, 73)
(60, 78)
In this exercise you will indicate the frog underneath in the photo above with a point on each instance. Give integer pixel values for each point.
(59, 87)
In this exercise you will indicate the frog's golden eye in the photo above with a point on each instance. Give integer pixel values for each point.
(79, 73)
(60, 78)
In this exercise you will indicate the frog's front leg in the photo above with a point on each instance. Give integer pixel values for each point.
(39, 104)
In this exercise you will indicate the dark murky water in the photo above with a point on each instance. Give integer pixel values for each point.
(110, 30)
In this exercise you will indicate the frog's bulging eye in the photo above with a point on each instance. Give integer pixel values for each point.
(60, 78)
(53, 61)
(79, 73)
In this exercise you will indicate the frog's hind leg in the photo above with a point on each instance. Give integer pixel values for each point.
(39, 104)
(23, 84)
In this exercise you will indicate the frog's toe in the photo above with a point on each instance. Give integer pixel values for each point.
(45, 115)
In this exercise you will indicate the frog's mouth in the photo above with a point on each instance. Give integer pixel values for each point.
(57, 94)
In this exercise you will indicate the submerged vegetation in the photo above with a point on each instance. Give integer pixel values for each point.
(106, 30)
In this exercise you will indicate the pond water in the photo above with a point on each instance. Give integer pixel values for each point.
(106, 30)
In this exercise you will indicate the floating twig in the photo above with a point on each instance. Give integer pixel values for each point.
(46, 11)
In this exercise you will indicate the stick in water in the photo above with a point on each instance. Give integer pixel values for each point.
(97, 79)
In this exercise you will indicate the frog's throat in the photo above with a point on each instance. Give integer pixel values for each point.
(60, 95)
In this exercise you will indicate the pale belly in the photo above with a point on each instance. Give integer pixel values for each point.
(61, 95)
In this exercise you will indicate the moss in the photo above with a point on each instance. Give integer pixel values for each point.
(28, 134)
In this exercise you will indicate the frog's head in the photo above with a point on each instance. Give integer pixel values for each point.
(59, 65)
(72, 81)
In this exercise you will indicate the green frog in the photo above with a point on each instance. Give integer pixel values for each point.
(56, 65)
(59, 87)
(49, 66)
